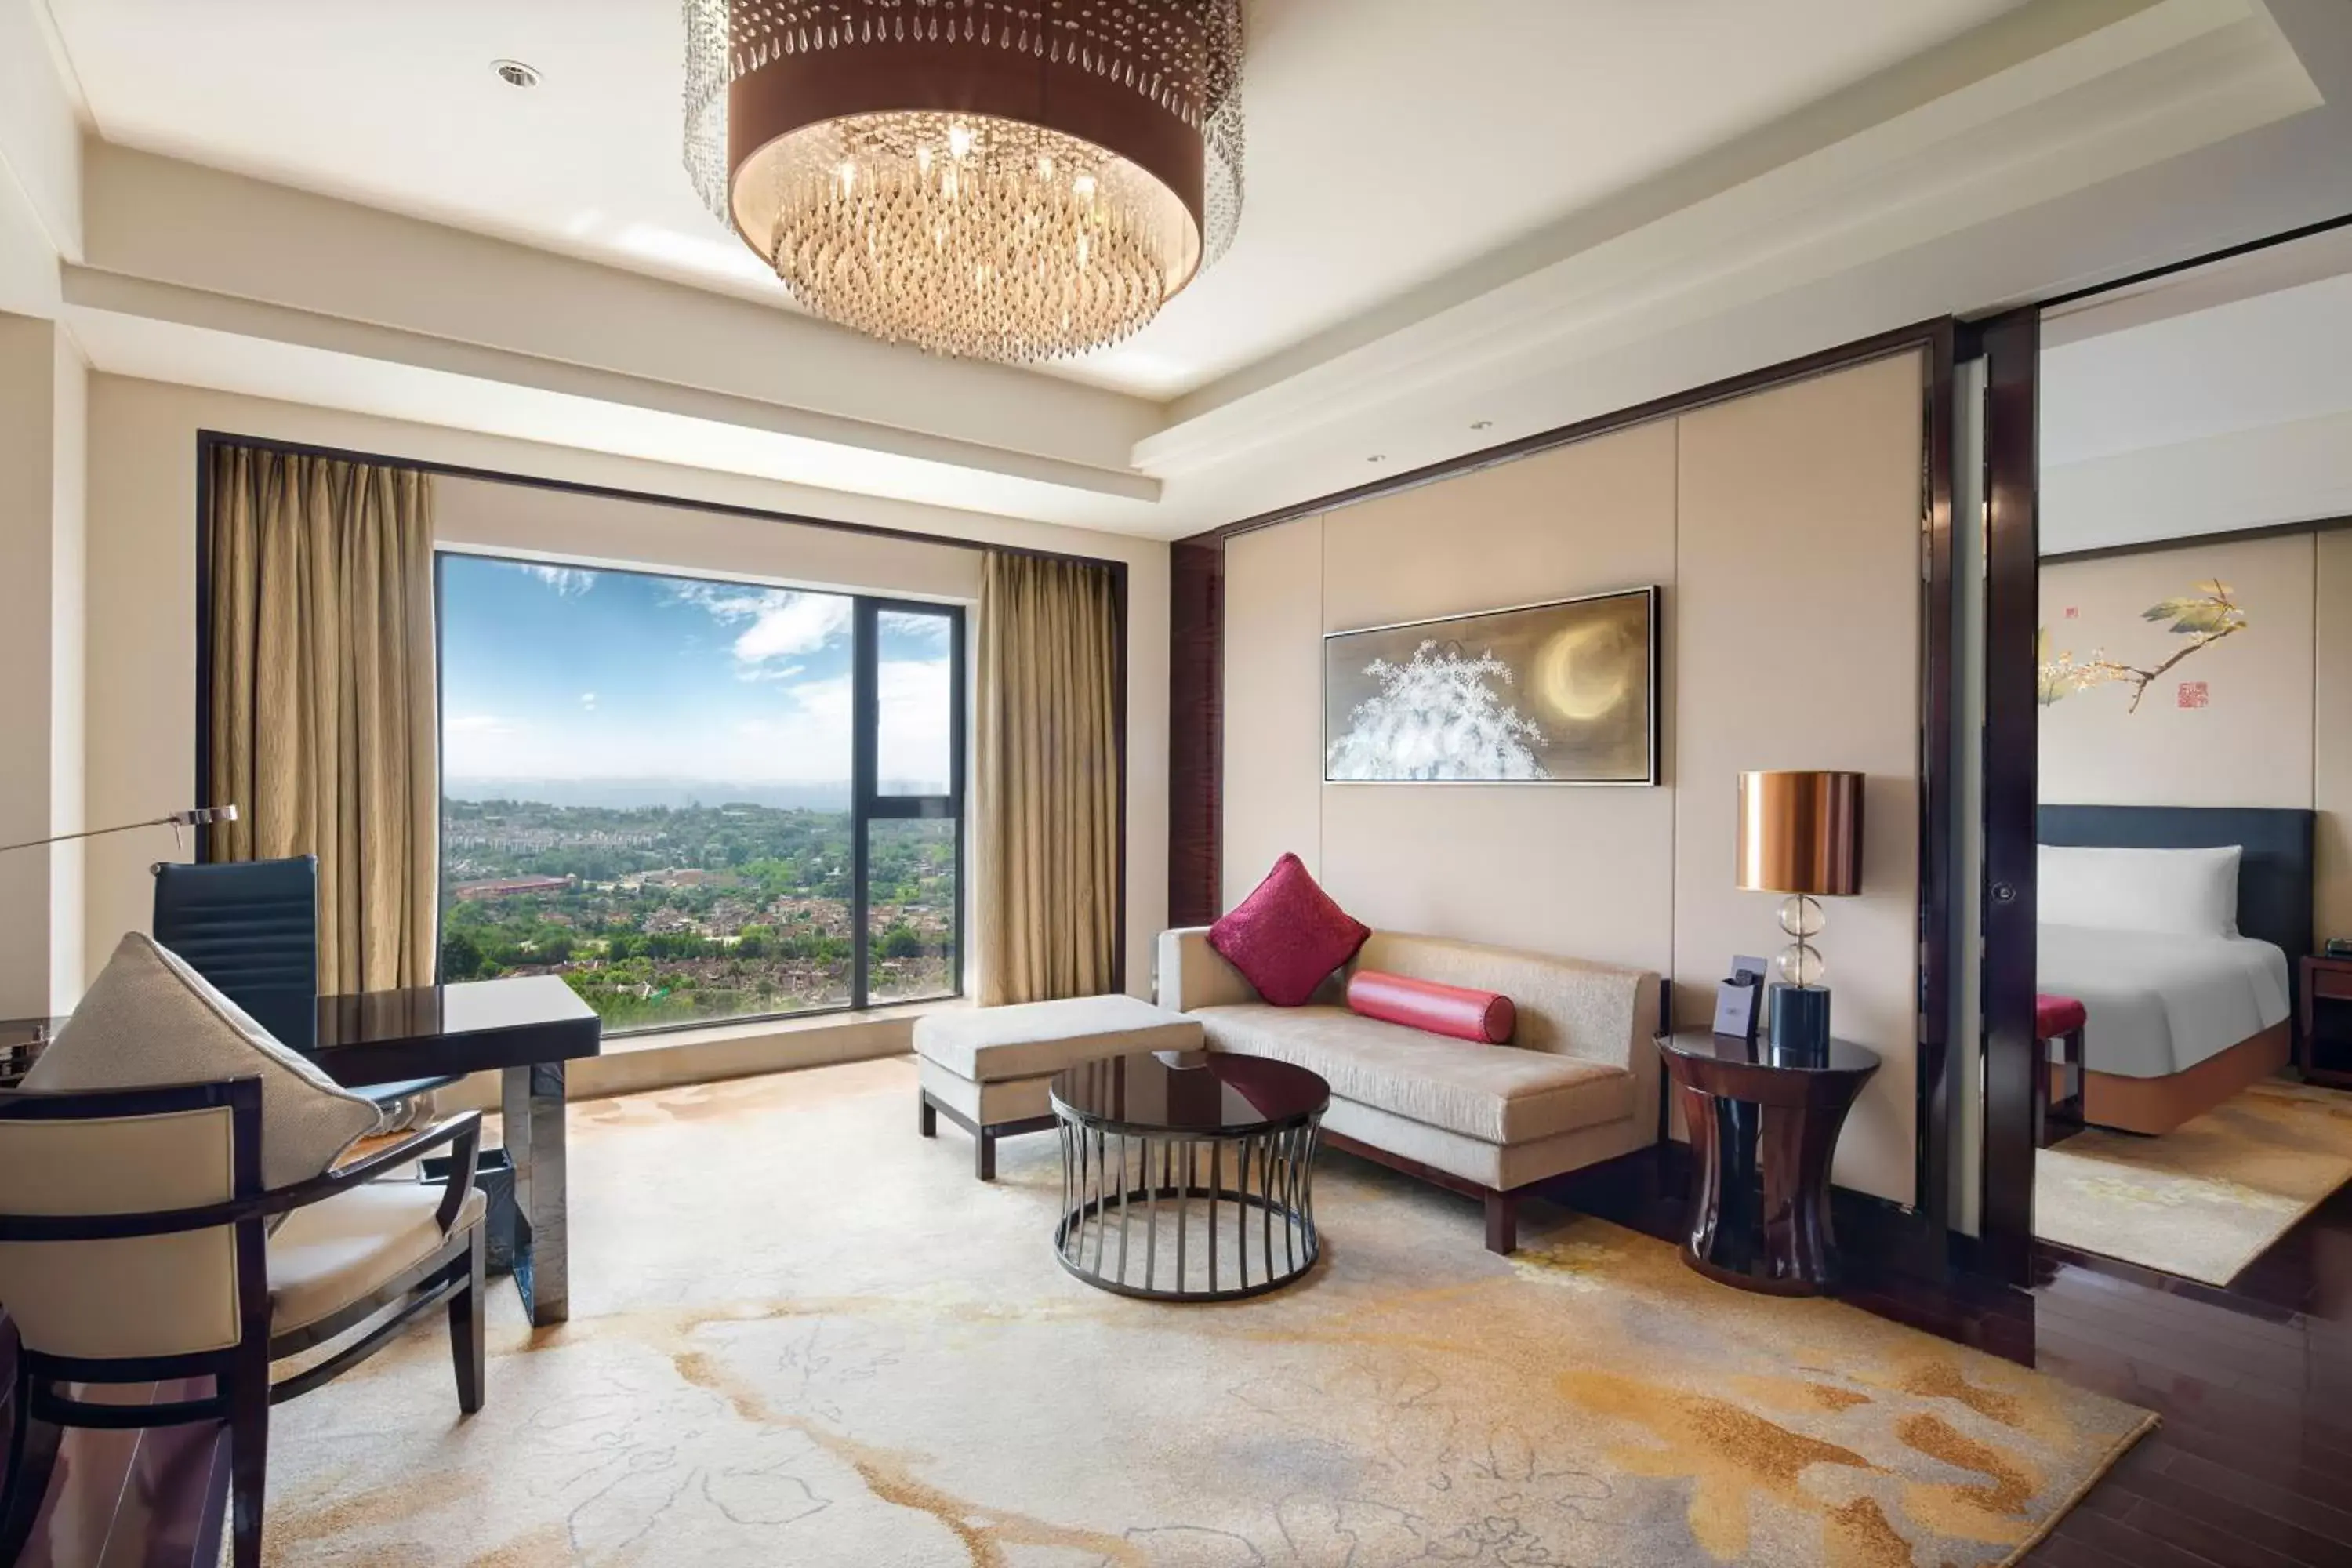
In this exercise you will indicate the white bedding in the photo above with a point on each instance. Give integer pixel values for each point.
(2161, 1002)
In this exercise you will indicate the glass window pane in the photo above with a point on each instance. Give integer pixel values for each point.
(910, 909)
(915, 683)
(645, 789)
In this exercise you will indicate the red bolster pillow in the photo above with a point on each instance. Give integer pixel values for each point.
(1481, 1015)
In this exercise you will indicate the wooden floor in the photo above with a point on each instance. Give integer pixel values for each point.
(2251, 1468)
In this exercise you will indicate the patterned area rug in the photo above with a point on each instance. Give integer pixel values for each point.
(804, 1335)
(2207, 1198)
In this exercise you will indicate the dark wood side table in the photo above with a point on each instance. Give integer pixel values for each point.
(1763, 1126)
(2323, 1044)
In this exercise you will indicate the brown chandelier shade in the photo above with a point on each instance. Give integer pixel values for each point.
(1005, 179)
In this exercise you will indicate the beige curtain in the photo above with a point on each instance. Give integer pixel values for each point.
(1046, 779)
(322, 708)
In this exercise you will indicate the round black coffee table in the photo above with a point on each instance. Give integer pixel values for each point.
(1188, 1175)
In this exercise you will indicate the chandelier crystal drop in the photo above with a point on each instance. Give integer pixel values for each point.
(1012, 179)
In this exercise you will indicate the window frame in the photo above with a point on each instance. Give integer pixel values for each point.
(867, 805)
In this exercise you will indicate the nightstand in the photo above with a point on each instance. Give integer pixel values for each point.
(2322, 1035)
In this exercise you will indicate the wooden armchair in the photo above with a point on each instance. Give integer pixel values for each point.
(138, 1245)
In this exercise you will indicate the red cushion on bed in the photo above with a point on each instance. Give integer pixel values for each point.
(1481, 1016)
(1288, 936)
(2056, 1015)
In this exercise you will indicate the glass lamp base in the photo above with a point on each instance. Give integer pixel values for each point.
(1800, 1019)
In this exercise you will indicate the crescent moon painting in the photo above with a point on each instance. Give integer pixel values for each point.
(1558, 693)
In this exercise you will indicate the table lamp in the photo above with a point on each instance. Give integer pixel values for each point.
(1801, 833)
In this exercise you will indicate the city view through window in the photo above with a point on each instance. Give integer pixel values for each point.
(650, 787)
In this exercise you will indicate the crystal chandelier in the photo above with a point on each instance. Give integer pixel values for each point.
(1003, 179)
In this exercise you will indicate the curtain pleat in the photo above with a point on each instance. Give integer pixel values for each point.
(322, 706)
(1046, 779)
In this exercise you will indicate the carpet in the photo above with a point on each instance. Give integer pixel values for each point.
(2207, 1198)
(804, 1335)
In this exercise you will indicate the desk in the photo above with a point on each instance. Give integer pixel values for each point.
(1763, 1125)
(524, 1028)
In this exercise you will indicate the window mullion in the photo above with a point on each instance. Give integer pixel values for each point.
(865, 708)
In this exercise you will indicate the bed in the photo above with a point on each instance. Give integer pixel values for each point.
(2183, 960)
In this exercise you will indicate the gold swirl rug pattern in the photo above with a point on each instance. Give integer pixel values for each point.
(2207, 1198)
(804, 1336)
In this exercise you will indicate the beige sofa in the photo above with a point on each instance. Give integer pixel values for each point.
(1576, 1085)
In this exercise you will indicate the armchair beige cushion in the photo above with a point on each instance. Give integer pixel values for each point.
(150, 1020)
(331, 1254)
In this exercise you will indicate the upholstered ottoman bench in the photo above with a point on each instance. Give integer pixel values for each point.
(987, 1068)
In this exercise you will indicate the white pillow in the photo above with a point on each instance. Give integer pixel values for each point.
(2193, 892)
(150, 1020)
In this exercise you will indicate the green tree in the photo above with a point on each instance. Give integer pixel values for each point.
(461, 957)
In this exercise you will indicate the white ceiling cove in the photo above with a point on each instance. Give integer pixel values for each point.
(1390, 140)
(1467, 221)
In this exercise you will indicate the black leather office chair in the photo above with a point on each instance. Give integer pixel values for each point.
(251, 926)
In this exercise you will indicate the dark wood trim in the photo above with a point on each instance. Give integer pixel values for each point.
(2012, 348)
(2198, 540)
(1939, 792)
(1860, 351)
(2226, 253)
(1196, 685)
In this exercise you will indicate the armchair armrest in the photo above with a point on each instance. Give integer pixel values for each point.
(465, 1129)
(1195, 974)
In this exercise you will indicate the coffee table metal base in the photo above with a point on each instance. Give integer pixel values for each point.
(1187, 1218)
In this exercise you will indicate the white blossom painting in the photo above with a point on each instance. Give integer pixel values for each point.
(1558, 693)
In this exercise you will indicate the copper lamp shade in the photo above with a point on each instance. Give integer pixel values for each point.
(1801, 833)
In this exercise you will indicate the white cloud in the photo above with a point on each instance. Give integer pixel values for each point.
(569, 581)
(782, 623)
(588, 701)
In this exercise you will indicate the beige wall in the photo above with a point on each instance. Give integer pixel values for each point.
(2251, 744)
(141, 739)
(43, 399)
(2276, 727)
(1784, 529)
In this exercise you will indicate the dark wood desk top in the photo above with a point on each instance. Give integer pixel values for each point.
(430, 1031)
(1842, 1057)
(425, 1031)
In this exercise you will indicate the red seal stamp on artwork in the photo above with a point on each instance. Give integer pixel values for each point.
(2193, 694)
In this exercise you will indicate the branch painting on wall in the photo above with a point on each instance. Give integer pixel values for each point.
(1556, 694)
(2203, 617)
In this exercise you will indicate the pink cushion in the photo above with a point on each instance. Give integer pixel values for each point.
(1288, 936)
(2056, 1015)
(1466, 1015)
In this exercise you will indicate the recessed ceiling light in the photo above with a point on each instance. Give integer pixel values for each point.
(514, 73)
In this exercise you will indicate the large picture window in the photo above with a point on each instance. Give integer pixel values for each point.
(699, 801)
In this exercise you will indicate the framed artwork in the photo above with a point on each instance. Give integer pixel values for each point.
(1565, 692)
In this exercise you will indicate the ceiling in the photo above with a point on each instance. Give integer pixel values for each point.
(1389, 141)
(2205, 402)
(1468, 221)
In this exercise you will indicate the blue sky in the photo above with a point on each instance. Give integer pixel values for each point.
(560, 671)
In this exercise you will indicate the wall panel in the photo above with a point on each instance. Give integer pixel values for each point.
(2228, 725)
(1274, 702)
(2331, 773)
(1557, 868)
(1799, 646)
